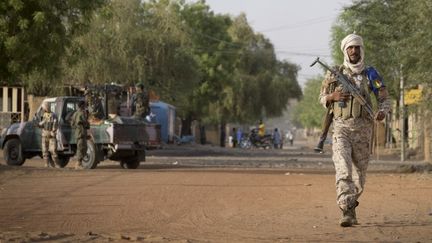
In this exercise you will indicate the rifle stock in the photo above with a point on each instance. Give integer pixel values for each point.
(328, 119)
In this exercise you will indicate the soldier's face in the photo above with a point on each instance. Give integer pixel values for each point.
(353, 54)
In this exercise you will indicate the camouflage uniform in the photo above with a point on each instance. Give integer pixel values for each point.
(140, 103)
(49, 125)
(80, 124)
(352, 134)
(94, 105)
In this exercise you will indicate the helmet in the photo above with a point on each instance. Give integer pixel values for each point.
(140, 85)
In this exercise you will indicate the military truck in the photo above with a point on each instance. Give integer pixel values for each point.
(121, 139)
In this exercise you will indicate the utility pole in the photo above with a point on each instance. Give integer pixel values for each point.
(402, 114)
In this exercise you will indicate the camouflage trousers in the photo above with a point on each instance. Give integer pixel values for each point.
(49, 146)
(351, 153)
(81, 148)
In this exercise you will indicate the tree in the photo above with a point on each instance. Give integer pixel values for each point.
(210, 40)
(35, 34)
(212, 67)
(309, 112)
(262, 85)
(393, 31)
(133, 41)
(397, 38)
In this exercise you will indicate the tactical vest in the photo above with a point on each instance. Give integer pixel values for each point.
(48, 121)
(351, 108)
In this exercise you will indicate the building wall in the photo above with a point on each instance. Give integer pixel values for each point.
(12, 105)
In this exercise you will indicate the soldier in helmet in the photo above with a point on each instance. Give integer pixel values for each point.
(49, 125)
(140, 102)
(80, 124)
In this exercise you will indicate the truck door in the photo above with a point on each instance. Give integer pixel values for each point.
(69, 108)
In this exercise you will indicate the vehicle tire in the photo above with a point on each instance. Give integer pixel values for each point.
(90, 161)
(131, 163)
(62, 161)
(12, 152)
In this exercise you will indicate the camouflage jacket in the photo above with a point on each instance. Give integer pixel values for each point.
(140, 103)
(80, 124)
(49, 124)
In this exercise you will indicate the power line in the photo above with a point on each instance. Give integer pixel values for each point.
(303, 54)
(300, 24)
(236, 52)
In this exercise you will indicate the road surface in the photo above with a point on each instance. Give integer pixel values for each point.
(190, 194)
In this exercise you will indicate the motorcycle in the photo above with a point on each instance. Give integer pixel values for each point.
(256, 141)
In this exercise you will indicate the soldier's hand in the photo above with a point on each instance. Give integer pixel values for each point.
(338, 95)
(380, 116)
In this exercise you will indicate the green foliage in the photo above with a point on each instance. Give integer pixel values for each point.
(396, 32)
(34, 34)
(309, 112)
(262, 85)
(212, 67)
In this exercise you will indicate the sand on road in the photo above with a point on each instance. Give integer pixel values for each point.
(205, 205)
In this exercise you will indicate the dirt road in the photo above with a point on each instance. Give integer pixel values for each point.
(179, 204)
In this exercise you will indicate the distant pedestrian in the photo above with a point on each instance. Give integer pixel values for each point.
(234, 137)
(261, 129)
(290, 137)
(203, 135)
(276, 139)
(239, 135)
(222, 134)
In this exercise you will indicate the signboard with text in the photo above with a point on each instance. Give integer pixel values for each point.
(413, 96)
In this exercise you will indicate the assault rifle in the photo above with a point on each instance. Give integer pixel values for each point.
(347, 87)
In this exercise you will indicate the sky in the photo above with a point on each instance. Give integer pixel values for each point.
(298, 29)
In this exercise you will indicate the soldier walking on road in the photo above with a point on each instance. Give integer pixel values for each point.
(352, 124)
(80, 125)
(49, 125)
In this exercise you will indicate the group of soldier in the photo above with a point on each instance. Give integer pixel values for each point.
(89, 109)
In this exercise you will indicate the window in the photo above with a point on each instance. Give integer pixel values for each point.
(70, 108)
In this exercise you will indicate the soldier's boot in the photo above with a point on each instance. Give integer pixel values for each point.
(47, 163)
(56, 163)
(353, 214)
(349, 217)
(52, 164)
(346, 220)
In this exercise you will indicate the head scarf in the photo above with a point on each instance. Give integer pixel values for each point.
(353, 40)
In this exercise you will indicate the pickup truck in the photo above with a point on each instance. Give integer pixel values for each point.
(122, 139)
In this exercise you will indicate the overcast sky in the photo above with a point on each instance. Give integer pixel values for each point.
(298, 29)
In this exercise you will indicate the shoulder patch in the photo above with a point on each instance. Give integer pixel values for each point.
(375, 80)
